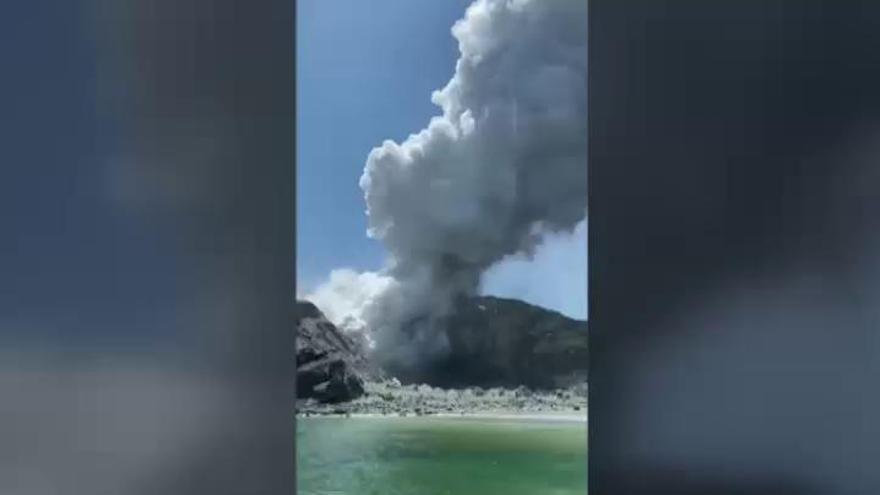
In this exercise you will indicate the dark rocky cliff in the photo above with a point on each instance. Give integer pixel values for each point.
(331, 367)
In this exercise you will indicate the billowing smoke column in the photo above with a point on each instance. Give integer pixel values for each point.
(504, 164)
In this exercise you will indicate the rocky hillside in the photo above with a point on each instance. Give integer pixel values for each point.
(331, 367)
(496, 342)
(493, 342)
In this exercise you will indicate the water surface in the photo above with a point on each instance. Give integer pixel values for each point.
(440, 456)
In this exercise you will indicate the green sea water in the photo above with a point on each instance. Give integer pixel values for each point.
(440, 456)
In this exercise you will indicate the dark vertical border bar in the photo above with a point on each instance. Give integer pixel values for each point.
(207, 112)
(733, 264)
(164, 211)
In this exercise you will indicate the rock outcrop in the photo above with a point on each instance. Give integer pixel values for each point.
(331, 367)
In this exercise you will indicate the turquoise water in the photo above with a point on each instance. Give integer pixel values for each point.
(440, 456)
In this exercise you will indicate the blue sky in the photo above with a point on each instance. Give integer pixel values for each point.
(365, 73)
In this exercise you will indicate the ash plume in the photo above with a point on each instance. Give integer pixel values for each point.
(502, 166)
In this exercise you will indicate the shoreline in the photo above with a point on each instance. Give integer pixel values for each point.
(544, 416)
(391, 399)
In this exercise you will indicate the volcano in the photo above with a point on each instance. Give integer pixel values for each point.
(497, 342)
(492, 342)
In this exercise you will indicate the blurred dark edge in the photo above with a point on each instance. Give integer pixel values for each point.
(734, 194)
(195, 105)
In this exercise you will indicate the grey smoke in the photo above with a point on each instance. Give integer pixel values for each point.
(502, 166)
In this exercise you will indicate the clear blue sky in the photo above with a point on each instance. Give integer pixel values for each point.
(365, 73)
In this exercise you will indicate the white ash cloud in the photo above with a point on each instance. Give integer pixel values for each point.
(347, 296)
(502, 166)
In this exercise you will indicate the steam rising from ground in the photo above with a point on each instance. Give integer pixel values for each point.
(502, 166)
(346, 295)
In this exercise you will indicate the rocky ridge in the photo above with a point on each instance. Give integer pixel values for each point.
(498, 342)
